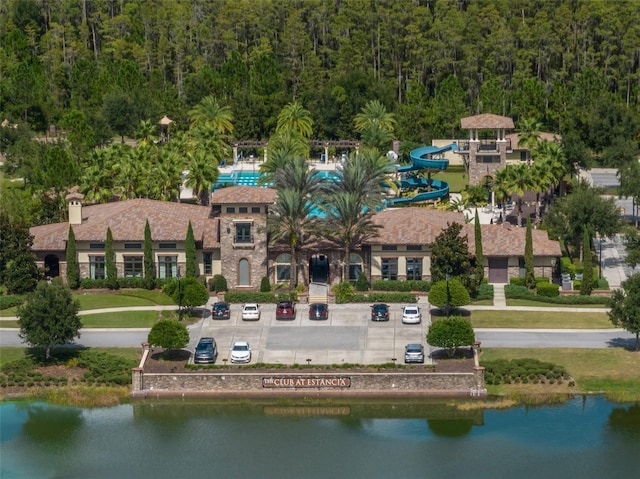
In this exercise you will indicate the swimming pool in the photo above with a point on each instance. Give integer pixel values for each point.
(250, 178)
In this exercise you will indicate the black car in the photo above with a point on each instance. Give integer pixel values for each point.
(285, 310)
(206, 351)
(221, 310)
(380, 312)
(318, 311)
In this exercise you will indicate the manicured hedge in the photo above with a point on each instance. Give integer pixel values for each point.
(547, 289)
(485, 291)
(521, 292)
(133, 283)
(241, 297)
(381, 298)
(410, 285)
(517, 281)
(10, 300)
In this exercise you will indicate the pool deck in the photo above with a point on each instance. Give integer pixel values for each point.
(254, 166)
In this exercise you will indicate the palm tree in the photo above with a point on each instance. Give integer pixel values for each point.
(294, 117)
(145, 132)
(97, 179)
(529, 133)
(283, 148)
(552, 153)
(297, 176)
(348, 222)
(541, 177)
(519, 181)
(209, 112)
(366, 174)
(376, 125)
(289, 219)
(165, 178)
(501, 186)
(203, 172)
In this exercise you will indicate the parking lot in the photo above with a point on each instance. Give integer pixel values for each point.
(348, 336)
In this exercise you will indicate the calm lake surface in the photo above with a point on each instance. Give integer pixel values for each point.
(587, 437)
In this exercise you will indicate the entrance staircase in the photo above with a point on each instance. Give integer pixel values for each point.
(318, 293)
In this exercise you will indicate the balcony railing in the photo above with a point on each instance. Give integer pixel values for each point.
(243, 241)
(484, 146)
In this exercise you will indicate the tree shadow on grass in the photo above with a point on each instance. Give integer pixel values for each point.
(177, 355)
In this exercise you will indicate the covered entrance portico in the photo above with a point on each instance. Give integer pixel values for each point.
(319, 268)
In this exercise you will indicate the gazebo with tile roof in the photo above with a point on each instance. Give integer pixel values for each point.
(484, 156)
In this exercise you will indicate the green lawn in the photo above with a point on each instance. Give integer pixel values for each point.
(125, 319)
(540, 320)
(612, 370)
(538, 304)
(458, 181)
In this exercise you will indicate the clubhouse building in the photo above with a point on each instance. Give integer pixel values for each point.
(231, 241)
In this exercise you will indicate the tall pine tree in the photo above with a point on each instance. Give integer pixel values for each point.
(587, 273)
(73, 278)
(149, 273)
(110, 260)
(479, 254)
(529, 273)
(190, 253)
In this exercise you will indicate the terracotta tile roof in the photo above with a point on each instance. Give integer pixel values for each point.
(487, 121)
(515, 139)
(499, 240)
(413, 225)
(416, 225)
(243, 195)
(168, 222)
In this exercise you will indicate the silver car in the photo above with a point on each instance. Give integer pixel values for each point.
(411, 314)
(240, 352)
(414, 353)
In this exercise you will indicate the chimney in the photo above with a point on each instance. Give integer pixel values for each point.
(75, 208)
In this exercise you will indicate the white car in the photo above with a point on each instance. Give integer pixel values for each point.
(251, 312)
(411, 314)
(240, 352)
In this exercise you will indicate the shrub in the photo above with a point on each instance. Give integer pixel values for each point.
(219, 283)
(105, 368)
(577, 284)
(517, 281)
(138, 283)
(361, 283)
(542, 279)
(241, 297)
(265, 285)
(409, 285)
(343, 292)
(547, 289)
(519, 292)
(10, 301)
(88, 283)
(484, 291)
(458, 295)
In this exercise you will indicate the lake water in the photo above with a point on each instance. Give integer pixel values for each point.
(587, 437)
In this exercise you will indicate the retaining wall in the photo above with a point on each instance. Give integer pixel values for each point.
(338, 383)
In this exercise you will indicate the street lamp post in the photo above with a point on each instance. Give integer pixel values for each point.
(179, 295)
(600, 258)
(448, 307)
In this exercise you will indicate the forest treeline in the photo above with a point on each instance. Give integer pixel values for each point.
(96, 68)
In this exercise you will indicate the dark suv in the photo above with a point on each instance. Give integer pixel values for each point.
(220, 310)
(318, 311)
(206, 351)
(285, 310)
(379, 312)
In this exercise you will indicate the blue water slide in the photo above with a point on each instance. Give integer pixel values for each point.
(425, 158)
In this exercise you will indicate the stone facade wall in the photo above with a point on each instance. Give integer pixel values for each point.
(359, 383)
(255, 251)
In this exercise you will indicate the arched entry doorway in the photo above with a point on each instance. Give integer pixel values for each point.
(319, 268)
(51, 266)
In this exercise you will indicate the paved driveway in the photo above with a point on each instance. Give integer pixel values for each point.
(348, 336)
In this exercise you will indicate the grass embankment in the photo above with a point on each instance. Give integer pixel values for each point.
(540, 320)
(80, 377)
(614, 372)
(117, 299)
(457, 180)
(538, 304)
